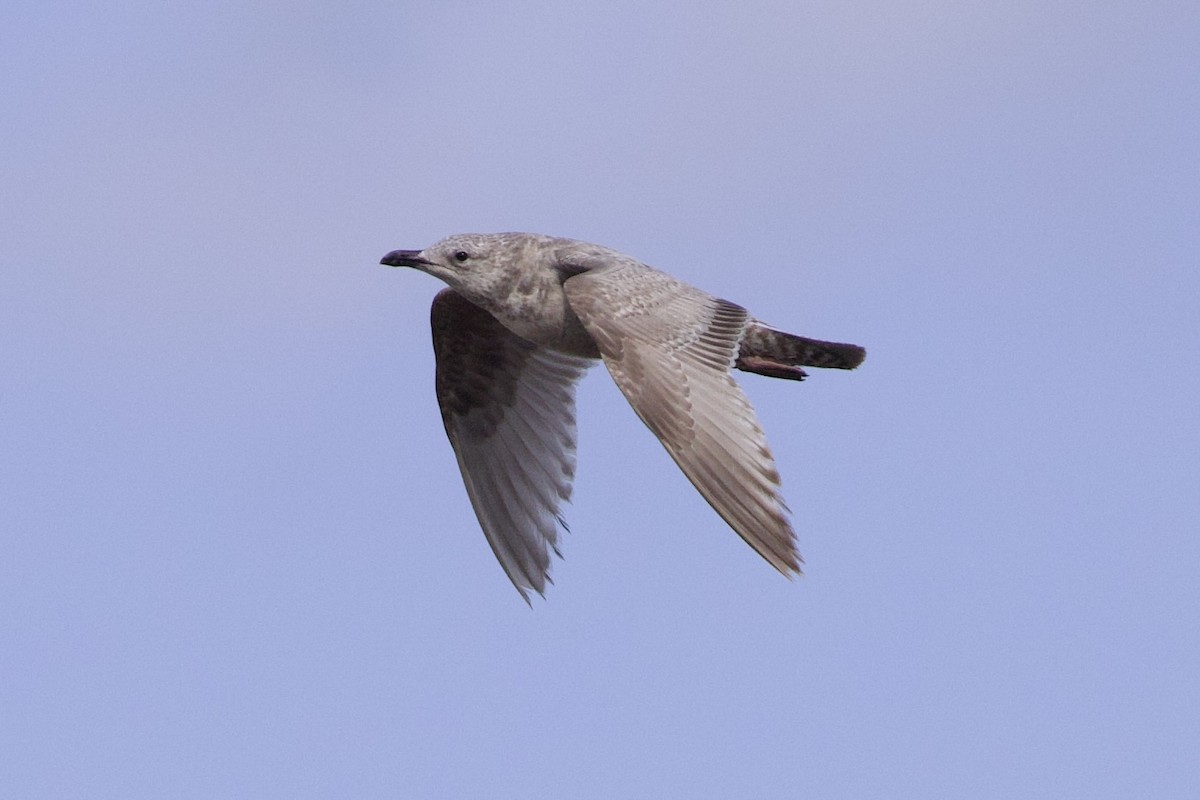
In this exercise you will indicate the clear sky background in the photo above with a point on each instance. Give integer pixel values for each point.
(237, 558)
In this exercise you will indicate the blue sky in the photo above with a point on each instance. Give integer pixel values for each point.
(238, 560)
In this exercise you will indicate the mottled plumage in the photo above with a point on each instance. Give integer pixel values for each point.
(524, 318)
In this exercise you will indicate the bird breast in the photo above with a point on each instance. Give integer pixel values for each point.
(541, 314)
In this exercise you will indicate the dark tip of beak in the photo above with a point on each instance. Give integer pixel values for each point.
(404, 258)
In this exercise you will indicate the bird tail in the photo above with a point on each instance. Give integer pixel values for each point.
(777, 354)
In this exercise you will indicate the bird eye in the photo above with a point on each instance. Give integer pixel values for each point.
(461, 255)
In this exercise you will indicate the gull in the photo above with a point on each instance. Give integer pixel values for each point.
(526, 315)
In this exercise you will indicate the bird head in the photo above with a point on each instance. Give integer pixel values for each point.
(466, 259)
(481, 265)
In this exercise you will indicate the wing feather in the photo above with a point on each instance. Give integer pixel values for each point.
(509, 411)
(671, 348)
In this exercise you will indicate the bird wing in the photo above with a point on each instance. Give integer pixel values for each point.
(509, 410)
(670, 349)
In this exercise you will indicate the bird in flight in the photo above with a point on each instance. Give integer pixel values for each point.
(526, 315)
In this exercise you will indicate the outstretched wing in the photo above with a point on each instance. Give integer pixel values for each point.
(670, 348)
(509, 410)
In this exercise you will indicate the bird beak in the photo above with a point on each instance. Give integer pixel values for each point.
(404, 258)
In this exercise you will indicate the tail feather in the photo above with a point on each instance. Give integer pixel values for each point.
(777, 354)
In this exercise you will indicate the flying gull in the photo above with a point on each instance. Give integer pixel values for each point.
(524, 318)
